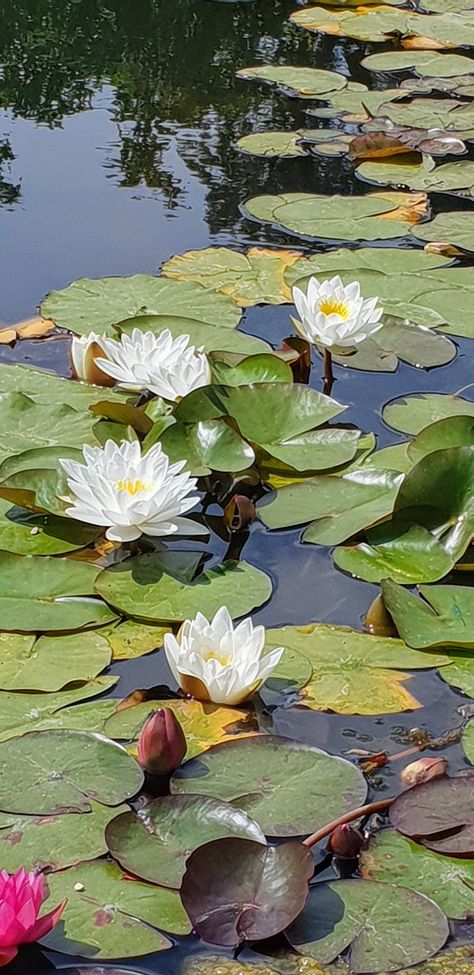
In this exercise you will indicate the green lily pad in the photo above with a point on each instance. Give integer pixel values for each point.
(341, 507)
(438, 493)
(331, 217)
(443, 618)
(155, 843)
(47, 387)
(45, 593)
(251, 278)
(386, 927)
(452, 177)
(454, 228)
(289, 676)
(288, 788)
(355, 103)
(28, 424)
(207, 446)
(163, 588)
(406, 554)
(22, 712)
(303, 82)
(460, 672)
(317, 449)
(396, 860)
(468, 741)
(50, 663)
(54, 842)
(326, 142)
(431, 113)
(109, 917)
(86, 766)
(26, 533)
(453, 431)
(210, 337)
(429, 64)
(272, 144)
(129, 639)
(410, 414)
(400, 339)
(381, 23)
(353, 673)
(253, 369)
(96, 305)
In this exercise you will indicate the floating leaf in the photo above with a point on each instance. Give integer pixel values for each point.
(289, 676)
(86, 767)
(444, 619)
(414, 344)
(30, 328)
(316, 449)
(342, 506)
(155, 587)
(449, 177)
(28, 424)
(47, 387)
(21, 712)
(303, 82)
(129, 639)
(25, 533)
(468, 742)
(206, 446)
(49, 594)
(110, 917)
(453, 431)
(203, 724)
(456, 228)
(396, 860)
(155, 842)
(384, 138)
(353, 673)
(438, 814)
(410, 414)
(236, 890)
(382, 22)
(385, 927)
(251, 278)
(48, 664)
(370, 217)
(271, 144)
(97, 304)
(431, 113)
(425, 63)
(355, 103)
(460, 672)
(406, 554)
(252, 369)
(288, 788)
(54, 842)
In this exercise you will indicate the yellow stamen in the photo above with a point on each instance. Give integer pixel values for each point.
(133, 487)
(211, 655)
(332, 306)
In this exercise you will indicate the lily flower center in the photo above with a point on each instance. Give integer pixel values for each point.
(133, 486)
(225, 661)
(334, 306)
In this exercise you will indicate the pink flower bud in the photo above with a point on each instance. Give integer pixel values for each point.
(423, 770)
(162, 743)
(345, 841)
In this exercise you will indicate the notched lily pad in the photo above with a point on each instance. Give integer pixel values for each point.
(439, 814)
(444, 617)
(236, 890)
(48, 772)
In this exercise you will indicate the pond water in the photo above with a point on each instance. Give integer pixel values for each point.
(117, 133)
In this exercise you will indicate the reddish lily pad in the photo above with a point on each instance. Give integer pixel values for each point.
(439, 814)
(236, 890)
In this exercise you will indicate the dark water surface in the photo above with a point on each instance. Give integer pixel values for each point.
(116, 128)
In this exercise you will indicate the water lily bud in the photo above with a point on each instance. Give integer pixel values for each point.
(345, 841)
(162, 743)
(423, 770)
(84, 352)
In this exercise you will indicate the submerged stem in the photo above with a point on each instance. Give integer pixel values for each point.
(349, 817)
(327, 372)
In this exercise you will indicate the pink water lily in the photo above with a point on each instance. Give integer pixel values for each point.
(21, 897)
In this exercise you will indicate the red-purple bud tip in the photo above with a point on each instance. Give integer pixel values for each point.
(345, 841)
(162, 743)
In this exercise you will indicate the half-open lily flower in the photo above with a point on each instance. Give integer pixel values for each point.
(332, 314)
(21, 897)
(215, 662)
(131, 494)
(168, 367)
(84, 352)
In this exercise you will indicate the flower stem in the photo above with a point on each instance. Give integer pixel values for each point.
(349, 817)
(327, 372)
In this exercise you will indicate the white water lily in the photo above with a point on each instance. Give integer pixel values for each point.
(131, 494)
(84, 352)
(332, 314)
(215, 662)
(168, 367)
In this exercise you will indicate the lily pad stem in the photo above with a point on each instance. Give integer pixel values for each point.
(349, 817)
(327, 372)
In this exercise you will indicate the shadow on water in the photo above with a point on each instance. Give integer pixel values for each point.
(117, 126)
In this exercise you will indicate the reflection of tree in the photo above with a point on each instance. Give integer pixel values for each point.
(172, 64)
(9, 192)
